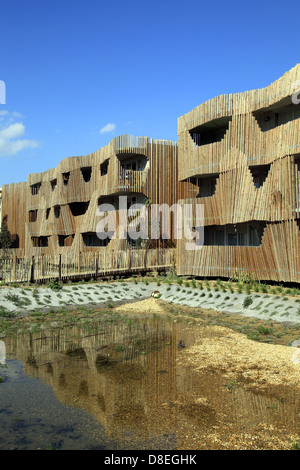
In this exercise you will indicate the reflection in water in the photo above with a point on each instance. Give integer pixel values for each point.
(125, 374)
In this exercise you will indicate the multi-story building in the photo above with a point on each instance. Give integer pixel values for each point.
(240, 155)
(55, 212)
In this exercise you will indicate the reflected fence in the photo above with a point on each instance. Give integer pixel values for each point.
(86, 265)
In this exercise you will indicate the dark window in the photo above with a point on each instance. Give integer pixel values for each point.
(33, 216)
(78, 208)
(53, 184)
(65, 240)
(259, 174)
(104, 168)
(211, 132)
(91, 239)
(39, 241)
(206, 185)
(66, 177)
(86, 173)
(57, 211)
(48, 212)
(35, 188)
(277, 115)
(242, 234)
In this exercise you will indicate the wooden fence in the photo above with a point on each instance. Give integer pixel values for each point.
(101, 263)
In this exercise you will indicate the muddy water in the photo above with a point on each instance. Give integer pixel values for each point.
(121, 385)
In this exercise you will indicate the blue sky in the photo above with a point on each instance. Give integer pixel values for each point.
(74, 67)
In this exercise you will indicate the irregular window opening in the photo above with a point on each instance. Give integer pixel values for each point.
(277, 115)
(86, 173)
(242, 234)
(57, 211)
(78, 208)
(35, 188)
(211, 132)
(104, 167)
(206, 184)
(65, 240)
(48, 212)
(91, 239)
(39, 241)
(111, 200)
(66, 177)
(259, 174)
(53, 184)
(33, 215)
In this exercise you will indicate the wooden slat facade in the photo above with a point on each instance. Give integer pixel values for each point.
(247, 145)
(53, 211)
(238, 155)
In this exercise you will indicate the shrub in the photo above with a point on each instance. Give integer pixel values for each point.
(264, 331)
(54, 285)
(247, 301)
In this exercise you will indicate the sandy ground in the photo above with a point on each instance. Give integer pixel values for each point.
(223, 349)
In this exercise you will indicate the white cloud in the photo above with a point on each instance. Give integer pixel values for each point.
(108, 128)
(11, 142)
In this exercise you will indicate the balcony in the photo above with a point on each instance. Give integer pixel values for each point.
(132, 181)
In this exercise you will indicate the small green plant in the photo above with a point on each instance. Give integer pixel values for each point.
(6, 313)
(247, 301)
(296, 445)
(54, 285)
(264, 330)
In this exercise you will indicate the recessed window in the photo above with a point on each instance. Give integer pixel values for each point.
(39, 241)
(130, 162)
(91, 239)
(86, 173)
(66, 177)
(206, 185)
(48, 212)
(79, 208)
(259, 174)
(277, 115)
(65, 240)
(242, 234)
(33, 215)
(53, 184)
(57, 211)
(104, 168)
(35, 188)
(211, 132)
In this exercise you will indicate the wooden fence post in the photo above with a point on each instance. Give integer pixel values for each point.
(129, 260)
(15, 268)
(43, 265)
(97, 266)
(79, 262)
(32, 270)
(59, 268)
